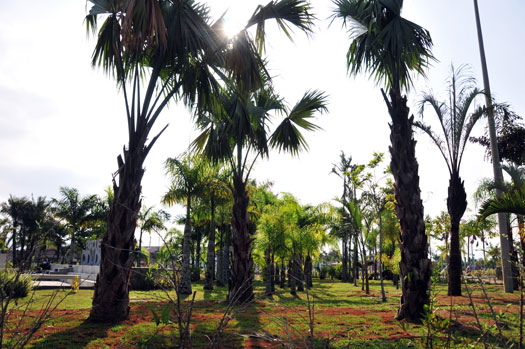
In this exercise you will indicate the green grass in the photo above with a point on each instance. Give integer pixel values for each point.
(343, 316)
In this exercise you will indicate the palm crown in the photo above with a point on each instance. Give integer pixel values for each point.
(385, 45)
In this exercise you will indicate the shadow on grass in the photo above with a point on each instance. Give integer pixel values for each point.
(78, 337)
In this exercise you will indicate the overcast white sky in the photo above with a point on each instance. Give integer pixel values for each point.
(62, 123)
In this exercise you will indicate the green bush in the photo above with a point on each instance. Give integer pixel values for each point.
(18, 287)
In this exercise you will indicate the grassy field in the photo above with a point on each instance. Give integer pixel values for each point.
(341, 316)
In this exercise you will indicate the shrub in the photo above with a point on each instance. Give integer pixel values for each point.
(19, 286)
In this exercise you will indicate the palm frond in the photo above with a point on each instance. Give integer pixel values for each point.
(287, 136)
(286, 13)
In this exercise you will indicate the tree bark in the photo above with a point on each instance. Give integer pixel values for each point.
(241, 276)
(415, 267)
(456, 205)
(210, 256)
(111, 296)
(276, 274)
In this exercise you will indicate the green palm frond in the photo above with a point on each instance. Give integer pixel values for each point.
(384, 44)
(286, 13)
(510, 202)
(287, 136)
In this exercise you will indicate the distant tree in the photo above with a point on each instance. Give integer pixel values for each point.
(150, 221)
(186, 173)
(77, 213)
(389, 47)
(27, 225)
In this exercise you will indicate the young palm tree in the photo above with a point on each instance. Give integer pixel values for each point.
(456, 121)
(186, 173)
(390, 47)
(512, 201)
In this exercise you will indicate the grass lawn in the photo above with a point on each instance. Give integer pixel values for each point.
(343, 316)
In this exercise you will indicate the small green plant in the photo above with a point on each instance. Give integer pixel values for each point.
(13, 286)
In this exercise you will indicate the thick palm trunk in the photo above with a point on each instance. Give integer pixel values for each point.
(456, 204)
(308, 272)
(210, 256)
(241, 277)
(299, 274)
(111, 296)
(514, 262)
(415, 267)
(185, 280)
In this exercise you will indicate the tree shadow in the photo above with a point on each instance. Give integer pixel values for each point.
(79, 336)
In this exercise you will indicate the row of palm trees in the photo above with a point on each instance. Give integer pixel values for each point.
(31, 225)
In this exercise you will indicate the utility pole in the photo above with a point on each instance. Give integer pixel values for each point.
(496, 164)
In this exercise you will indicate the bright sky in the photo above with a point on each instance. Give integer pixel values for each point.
(62, 123)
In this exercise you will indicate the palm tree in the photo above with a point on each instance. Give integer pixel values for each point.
(505, 242)
(168, 47)
(456, 120)
(186, 173)
(149, 221)
(239, 136)
(512, 201)
(216, 192)
(77, 212)
(390, 47)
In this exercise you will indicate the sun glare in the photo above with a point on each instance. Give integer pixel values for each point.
(231, 26)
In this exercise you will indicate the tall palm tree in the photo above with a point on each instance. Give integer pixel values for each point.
(505, 243)
(186, 173)
(239, 136)
(456, 121)
(389, 48)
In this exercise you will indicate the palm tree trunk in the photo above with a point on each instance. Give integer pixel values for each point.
(344, 269)
(308, 271)
(356, 268)
(210, 256)
(241, 278)
(220, 258)
(273, 272)
(415, 267)
(496, 163)
(185, 280)
(268, 273)
(299, 274)
(291, 276)
(111, 296)
(514, 262)
(276, 274)
(383, 295)
(226, 256)
(282, 283)
(456, 204)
